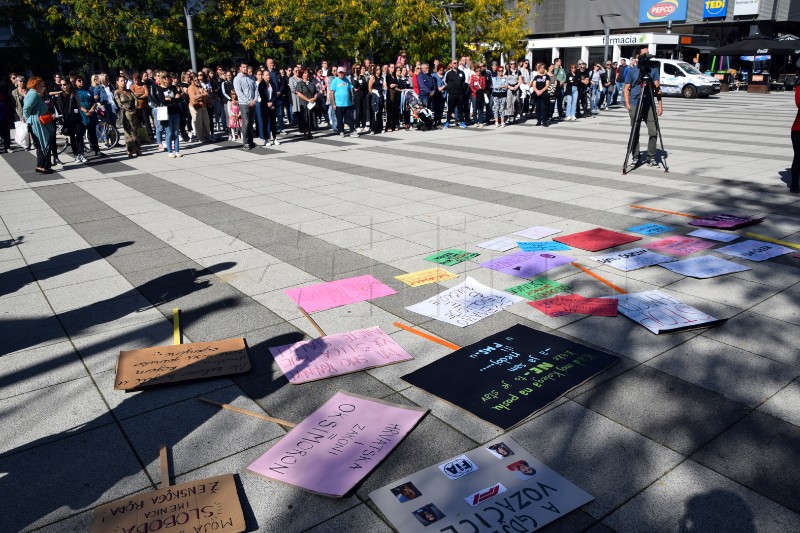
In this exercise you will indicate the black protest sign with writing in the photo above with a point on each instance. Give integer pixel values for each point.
(508, 376)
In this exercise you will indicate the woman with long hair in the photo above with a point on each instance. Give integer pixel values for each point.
(40, 123)
(375, 87)
(126, 103)
(69, 106)
(392, 85)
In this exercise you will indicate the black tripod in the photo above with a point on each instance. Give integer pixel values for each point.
(647, 89)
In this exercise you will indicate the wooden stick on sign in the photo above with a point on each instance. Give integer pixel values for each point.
(176, 326)
(664, 211)
(164, 466)
(313, 322)
(249, 413)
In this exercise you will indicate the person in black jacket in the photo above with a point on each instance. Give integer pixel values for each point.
(584, 84)
(269, 109)
(360, 95)
(392, 100)
(69, 107)
(456, 83)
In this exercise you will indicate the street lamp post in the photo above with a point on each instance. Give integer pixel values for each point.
(192, 8)
(449, 8)
(607, 31)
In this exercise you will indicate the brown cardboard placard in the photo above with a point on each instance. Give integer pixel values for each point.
(201, 505)
(168, 364)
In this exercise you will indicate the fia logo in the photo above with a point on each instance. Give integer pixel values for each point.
(485, 494)
(458, 467)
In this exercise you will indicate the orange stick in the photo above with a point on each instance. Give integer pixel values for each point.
(664, 211)
(601, 280)
(424, 335)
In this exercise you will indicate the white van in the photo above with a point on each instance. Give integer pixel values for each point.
(679, 78)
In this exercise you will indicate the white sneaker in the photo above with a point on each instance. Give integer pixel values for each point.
(265, 143)
(178, 154)
(78, 159)
(354, 134)
(171, 154)
(341, 134)
(276, 142)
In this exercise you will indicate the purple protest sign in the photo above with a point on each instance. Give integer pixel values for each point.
(339, 444)
(724, 221)
(338, 354)
(527, 264)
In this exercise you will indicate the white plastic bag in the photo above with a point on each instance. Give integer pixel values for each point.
(21, 134)
(162, 113)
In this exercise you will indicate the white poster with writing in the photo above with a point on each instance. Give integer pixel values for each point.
(754, 250)
(661, 313)
(745, 7)
(465, 304)
(628, 260)
(500, 244)
(502, 488)
(706, 266)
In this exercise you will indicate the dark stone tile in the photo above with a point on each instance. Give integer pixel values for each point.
(672, 412)
(760, 452)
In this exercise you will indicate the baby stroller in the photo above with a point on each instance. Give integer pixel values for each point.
(408, 99)
(422, 118)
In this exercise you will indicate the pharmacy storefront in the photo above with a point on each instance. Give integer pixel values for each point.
(591, 48)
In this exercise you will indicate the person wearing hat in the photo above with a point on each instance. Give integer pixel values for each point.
(341, 98)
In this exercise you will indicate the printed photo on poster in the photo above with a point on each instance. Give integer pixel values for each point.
(428, 515)
(406, 492)
(522, 469)
(500, 450)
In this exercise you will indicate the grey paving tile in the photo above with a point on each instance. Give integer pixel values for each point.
(107, 315)
(728, 290)
(775, 339)
(81, 295)
(37, 368)
(720, 367)
(77, 480)
(759, 452)
(196, 433)
(146, 260)
(784, 404)
(694, 498)
(672, 412)
(360, 518)
(782, 306)
(79, 406)
(602, 457)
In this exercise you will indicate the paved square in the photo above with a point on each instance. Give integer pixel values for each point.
(692, 431)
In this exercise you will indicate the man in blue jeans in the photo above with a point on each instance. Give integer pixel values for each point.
(341, 98)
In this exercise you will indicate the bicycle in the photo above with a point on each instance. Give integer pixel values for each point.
(107, 134)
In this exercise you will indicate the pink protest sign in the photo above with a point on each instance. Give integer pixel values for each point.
(576, 304)
(338, 354)
(340, 292)
(680, 245)
(596, 239)
(527, 264)
(339, 444)
(724, 221)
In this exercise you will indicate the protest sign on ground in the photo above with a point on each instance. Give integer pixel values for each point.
(526, 264)
(724, 221)
(451, 257)
(576, 304)
(706, 266)
(650, 229)
(712, 235)
(680, 245)
(544, 246)
(334, 355)
(538, 288)
(633, 259)
(210, 504)
(338, 445)
(500, 244)
(324, 296)
(503, 488)
(596, 239)
(508, 376)
(465, 303)
(537, 232)
(424, 277)
(661, 313)
(180, 362)
(754, 250)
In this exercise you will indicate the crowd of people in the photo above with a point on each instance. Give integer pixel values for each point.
(259, 104)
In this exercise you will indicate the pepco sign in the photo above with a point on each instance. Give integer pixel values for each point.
(662, 10)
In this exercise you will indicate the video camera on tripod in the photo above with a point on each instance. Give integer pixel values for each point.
(648, 93)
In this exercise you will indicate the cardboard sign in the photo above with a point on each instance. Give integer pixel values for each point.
(510, 375)
(334, 355)
(514, 492)
(500, 244)
(650, 229)
(726, 221)
(706, 266)
(424, 277)
(546, 246)
(712, 235)
(337, 293)
(680, 245)
(210, 504)
(180, 362)
(576, 304)
(661, 313)
(632, 259)
(755, 250)
(451, 257)
(537, 232)
(538, 288)
(597, 239)
(338, 445)
(527, 264)
(465, 304)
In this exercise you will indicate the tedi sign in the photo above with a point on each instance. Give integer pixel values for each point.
(715, 9)
(662, 10)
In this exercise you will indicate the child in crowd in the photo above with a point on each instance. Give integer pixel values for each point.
(234, 117)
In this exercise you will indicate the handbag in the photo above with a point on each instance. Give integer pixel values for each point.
(551, 90)
(21, 134)
(46, 119)
(162, 113)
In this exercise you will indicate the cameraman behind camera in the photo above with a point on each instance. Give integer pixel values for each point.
(633, 93)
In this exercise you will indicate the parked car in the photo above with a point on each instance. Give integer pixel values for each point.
(679, 78)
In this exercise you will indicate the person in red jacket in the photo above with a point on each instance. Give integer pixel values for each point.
(795, 185)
